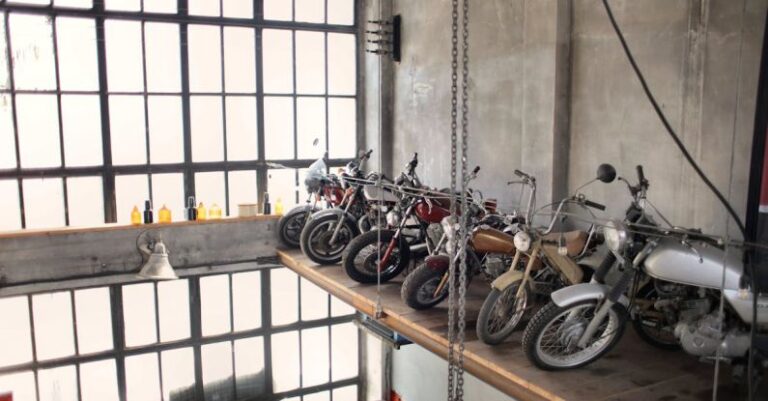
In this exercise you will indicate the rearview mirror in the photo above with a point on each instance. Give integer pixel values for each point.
(606, 173)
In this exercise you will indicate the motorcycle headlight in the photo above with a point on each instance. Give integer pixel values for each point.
(393, 218)
(615, 236)
(522, 241)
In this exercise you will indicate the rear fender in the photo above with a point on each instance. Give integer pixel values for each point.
(581, 292)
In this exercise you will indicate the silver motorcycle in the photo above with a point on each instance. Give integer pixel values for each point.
(669, 283)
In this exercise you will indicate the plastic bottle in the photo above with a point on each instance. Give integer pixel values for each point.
(149, 217)
(279, 207)
(135, 216)
(164, 215)
(214, 212)
(267, 205)
(191, 209)
(202, 212)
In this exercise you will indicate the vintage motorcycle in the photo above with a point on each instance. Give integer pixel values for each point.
(489, 253)
(685, 272)
(543, 262)
(320, 186)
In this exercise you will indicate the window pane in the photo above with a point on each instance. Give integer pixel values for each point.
(130, 191)
(209, 188)
(242, 189)
(207, 128)
(142, 378)
(32, 44)
(178, 374)
(124, 56)
(246, 300)
(238, 9)
(278, 10)
(94, 320)
(15, 337)
(340, 308)
(341, 64)
(22, 385)
(7, 140)
(58, 384)
(344, 351)
(348, 393)
(160, 6)
(239, 59)
(54, 337)
(43, 202)
(166, 138)
(282, 185)
(38, 123)
(285, 369)
(81, 124)
(76, 41)
(123, 5)
(310, 62)
(249, 367)
(33, 2)
(127, 129)
(214, 304)
(10, 202)
(278, 61)
(311, 126)
(73, 3)
(204, 58)
(173, 304)
(163, 57)
(98, 381)
(320, 396)
(85, 201)
(217, 371)
(315, 363)
(310, 11)
(314, 301)
(278, 127)
(341, 12)
(241, 128)
(5, 82)
(139, 314)
(342, 123)
(204, 7)
(168, 191)
(285, 296)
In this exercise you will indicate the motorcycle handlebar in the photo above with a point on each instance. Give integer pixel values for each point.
(476, 170)
(640, 174)
(367, 155)
(521, 174)
(594, 205)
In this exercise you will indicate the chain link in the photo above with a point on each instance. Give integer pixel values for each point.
(454, 129)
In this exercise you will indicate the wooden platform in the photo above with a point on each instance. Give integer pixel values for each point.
(631, 371)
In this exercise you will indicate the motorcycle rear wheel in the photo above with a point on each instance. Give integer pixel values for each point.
(361, 258)
(646, 326)
(498, 318)
(290, 226)
(316, 235)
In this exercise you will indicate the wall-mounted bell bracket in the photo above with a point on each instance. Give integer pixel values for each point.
(385, 37)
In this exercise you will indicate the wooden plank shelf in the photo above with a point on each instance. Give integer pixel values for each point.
(632, 371)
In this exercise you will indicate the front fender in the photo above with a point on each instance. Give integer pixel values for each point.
(302, 209)
(506, 279)
(581, 292)
(439, 263)
(337, 212)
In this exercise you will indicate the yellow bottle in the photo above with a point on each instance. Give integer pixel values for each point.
(135, 216)
(279, 207)
(202, 212)
(164, 216)
(214, 213)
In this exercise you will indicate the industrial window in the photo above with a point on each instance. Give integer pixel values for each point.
(228, 336)
(107, 103)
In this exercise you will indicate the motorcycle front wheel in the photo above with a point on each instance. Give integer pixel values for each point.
(551, 337)
(500, 314)
(361, 259)
(316, 239)
(418, 290)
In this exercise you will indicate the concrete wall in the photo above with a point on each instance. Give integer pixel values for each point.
(551, 93)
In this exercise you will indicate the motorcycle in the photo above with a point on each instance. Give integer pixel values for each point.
(551, 261)
(686, 273)
(488, 254)
(326, 234)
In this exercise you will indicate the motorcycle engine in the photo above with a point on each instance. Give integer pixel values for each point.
(495, 265)
(704, 337)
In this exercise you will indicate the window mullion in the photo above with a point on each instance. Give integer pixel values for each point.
(108, 176)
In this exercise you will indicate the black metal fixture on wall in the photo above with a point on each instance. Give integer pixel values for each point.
(385, 38)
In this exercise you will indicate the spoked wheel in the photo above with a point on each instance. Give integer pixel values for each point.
(290, 227)
(361, 262)
(653, 326)
(551, 339)
(420, 287)
(501, 312)
(316, 239)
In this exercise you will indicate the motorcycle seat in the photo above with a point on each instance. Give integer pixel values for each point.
(575, 241)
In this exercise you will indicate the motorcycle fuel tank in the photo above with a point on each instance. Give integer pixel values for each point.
(677, 262)
(372, 193)
(489, 240)
(431, 213)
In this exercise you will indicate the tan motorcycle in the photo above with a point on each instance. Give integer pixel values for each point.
(543, 262)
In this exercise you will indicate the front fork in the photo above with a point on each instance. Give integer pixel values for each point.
(395, 238)
(339, 223)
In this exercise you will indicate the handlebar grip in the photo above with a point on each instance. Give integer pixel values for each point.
(594, 205)
(476, 170)
(519, 173)
(368, 154)
(640, 174)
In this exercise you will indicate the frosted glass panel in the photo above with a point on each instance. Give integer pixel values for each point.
(94, 322)
(342, 73)
(209, 188)
(285, 369)
(58, 384)
(204, 7)
(163, 57)
(160, 6)
(342, 123)
(214, 304)
(168, 190)
(278, 127)
(310, 126)
(166, 139)
(130, 191)
(124, 56)
(85, 201)
(43, 202)
(204, 58)
(310, 11)
(10, 202)
(239, 59)
(246, 299)
(241, 128)
(344, 351)
(278, 10)
(98, 381)
(238, 9)
(142, 378)
(139, 314)
(340, 308)
(249, 366)
(7, 137)
(217, 371)
(310, 62)
(348, 393)
(341, 12)
(5, 82)
(315, 357)
(38, 123)
(73, 3)
(127, 129)
(314, 301)
(123, 5)
(173, 304)
(54, 336)
(285, 296)
(15, 338)
(242, 189)
(76, 41)
(22, 385)
(207, 128)
(321, 396)
(278, 61)
(32, 44)
(81, 120)
(178, 373)
(282, 185)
